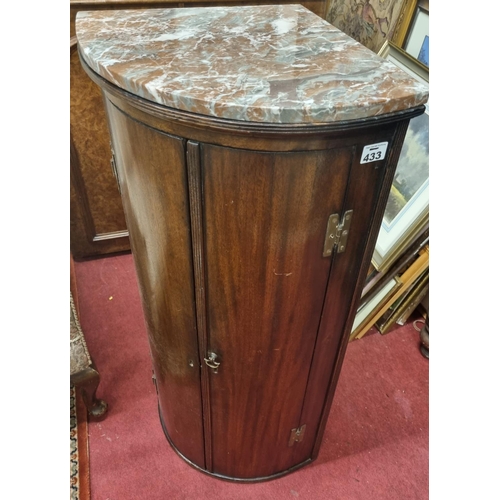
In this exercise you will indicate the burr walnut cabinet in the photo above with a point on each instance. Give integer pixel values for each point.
(254, 150)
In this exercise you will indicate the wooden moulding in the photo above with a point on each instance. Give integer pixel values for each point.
(196, 213)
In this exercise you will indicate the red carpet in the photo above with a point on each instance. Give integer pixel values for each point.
(376, 440)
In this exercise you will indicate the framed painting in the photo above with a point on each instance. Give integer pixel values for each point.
(417, 39)
(411, 32)
(404, 22)
(407, 209)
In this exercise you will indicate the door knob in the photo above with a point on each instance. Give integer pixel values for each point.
(211, 361)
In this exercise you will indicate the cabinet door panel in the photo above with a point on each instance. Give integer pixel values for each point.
(362, 196)
(265, 222)
(152, 172)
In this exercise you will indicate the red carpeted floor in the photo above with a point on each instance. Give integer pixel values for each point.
(376, 440)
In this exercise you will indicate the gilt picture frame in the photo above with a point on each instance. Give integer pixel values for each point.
(404, 22)
(407, 210)
(417, 40)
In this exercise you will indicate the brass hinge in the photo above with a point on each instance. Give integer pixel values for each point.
(297, 435)
(337, 233)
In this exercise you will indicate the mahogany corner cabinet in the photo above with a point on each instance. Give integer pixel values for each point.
(254, 149)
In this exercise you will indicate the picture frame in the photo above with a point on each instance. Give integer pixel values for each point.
(377, 280)
(404, 22)
(417, 39)
(371, 312)
(365, 316)
(405, 61)
(407, 210)
(412, 28)
(401, 310)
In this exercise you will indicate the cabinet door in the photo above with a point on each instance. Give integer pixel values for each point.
(265, 218)
(152, 173)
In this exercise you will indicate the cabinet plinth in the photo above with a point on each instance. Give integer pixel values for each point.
(251, 241)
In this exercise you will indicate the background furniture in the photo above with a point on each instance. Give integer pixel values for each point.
(253, 214)
(83, 373)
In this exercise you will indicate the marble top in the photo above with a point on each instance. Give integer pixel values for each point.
(273, 63)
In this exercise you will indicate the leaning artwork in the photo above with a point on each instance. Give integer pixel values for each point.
(423, 56)
(412, 174)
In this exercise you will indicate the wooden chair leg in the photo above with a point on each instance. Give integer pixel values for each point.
(424, 338)
(87, 382)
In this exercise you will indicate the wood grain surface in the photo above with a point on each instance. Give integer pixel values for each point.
(361, 196)
(265, 221)
(152, 171)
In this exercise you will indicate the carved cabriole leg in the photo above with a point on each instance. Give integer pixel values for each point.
(87, 382)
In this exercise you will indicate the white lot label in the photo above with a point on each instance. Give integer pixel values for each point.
(374, 152)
